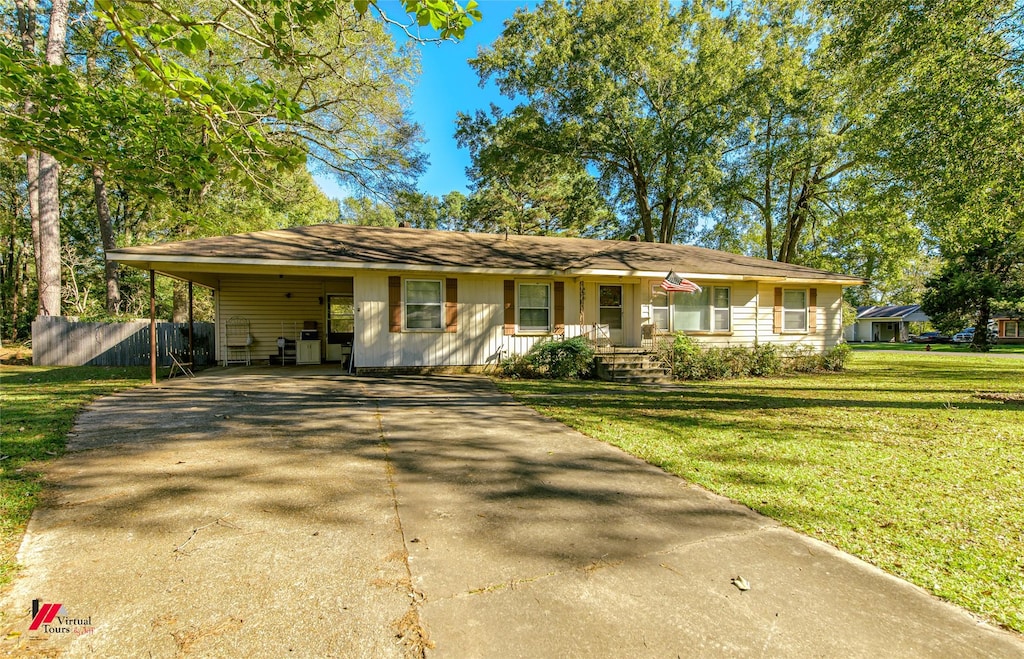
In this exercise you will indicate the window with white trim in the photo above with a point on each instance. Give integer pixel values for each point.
(423, 304)
(708, 310)
(534, 310)
(794, 310)
(659, 307)
(1012, 329)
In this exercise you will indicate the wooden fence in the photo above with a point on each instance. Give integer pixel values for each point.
(59, 341)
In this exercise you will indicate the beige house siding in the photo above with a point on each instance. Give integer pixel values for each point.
(753, 315)
(278, 305)
(274, 306)
(828, 315)
(479, 339)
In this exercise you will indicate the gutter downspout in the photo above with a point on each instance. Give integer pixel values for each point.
(757, 312)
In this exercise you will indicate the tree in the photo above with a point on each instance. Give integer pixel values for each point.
(406, 207)
(522, 185)
(952, 130)
(48, 241)
(16, 261)
(789, 159)
(975, 281)
(213, 92)
(640, 92)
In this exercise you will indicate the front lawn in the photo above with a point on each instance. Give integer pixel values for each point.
(912, 462)
(38, 406)
(964, 348)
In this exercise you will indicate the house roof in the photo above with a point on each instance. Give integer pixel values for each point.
(890, 311)
(325, 247)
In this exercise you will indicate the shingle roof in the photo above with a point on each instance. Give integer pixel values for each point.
(892, 311)
(336, 244)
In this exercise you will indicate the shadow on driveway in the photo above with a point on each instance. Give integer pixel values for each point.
(264, 512)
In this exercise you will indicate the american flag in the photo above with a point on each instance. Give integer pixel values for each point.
(676, 284)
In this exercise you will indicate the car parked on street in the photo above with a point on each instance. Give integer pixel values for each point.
(966, 336)
(930, 337)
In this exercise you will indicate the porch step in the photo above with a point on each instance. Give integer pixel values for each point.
(631, 365)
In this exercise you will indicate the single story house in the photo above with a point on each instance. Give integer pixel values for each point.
(1009, 329)
(885, 323)
(384, 298)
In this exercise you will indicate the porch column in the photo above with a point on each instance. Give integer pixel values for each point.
(191, 345)
(152, 327)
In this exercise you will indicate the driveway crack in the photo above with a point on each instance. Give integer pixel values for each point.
(409, 629)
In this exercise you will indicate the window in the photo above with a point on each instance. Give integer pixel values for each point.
(707, 311)
(534, 307)
(1011, 329)
(794, 310)
(659, 307)
(423, 304)
(340, 315)
(610, 306)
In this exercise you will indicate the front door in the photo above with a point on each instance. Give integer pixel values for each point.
(610, 311)
(340, 327)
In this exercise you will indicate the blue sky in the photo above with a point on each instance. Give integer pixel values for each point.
(448, 85)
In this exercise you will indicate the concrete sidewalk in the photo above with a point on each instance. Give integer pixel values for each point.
(264, 512)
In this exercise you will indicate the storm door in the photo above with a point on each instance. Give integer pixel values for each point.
(610, 311)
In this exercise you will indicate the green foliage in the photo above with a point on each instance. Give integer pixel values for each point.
(980, 277)
(639, 92)
(181, 97)
(521, 184)
(801, 359)
(568, 359)
(950, 131)
(517, 366)
(690, 360)
(411, 208)
(836, 358)
(765, 360)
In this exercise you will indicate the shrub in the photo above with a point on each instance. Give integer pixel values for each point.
(517, 366)
(802, 359)
(836, 358)
(765, 360)
(737, 361)
(690, 361)
(570, 359)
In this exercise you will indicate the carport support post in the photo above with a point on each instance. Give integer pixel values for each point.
(191, 345)
(152, 327)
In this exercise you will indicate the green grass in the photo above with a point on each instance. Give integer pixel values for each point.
(38, 406)
(964, 348)
(912, 462)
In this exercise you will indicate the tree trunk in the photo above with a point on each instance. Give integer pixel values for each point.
(107, 237)
(26, 12)
(49, 191)
(49, 236)
(766, 208)
(980, 342)
(179, 313)
(99, 186)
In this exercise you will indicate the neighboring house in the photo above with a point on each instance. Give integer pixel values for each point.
(1009, 329)
(403, 297)
(885, 323)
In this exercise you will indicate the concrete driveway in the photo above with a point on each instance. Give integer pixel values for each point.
(260, 512)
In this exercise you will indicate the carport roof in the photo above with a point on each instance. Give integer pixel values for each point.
(891, 311)
(327, 248)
